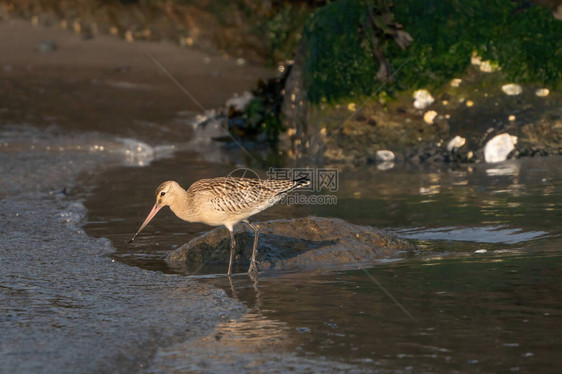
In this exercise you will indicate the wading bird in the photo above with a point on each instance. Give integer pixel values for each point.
(223, 201)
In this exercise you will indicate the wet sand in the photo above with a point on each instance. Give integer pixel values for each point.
(105, 84)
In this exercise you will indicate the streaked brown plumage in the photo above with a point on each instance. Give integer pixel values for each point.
(223, 201)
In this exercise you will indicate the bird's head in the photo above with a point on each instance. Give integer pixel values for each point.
(165, 195)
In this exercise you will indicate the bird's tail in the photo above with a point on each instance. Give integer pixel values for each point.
(296, 183)
(300, 182)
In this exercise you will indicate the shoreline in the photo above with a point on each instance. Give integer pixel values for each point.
(63, 292)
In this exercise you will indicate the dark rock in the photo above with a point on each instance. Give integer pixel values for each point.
(428, 155)
(47, 46)
(303, 243)
(302, 138)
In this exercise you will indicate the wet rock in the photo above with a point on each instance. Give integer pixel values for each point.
(240, 102)
(499, 147)
(47, 46)
(305, 140)
(541, 138)
(303, 243)
(428, 155)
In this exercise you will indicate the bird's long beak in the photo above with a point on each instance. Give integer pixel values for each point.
(150, 216)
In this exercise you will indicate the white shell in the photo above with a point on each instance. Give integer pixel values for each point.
(456, 82)
(455, 143)
(542, 92)
(512, 89)
(486, 67)
(422, 99)
(429, 116)
(385, 155)
(499, 147)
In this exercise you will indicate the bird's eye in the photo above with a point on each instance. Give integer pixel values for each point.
(162, 193)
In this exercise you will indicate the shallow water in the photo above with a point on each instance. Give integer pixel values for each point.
(492, 314)
(483, 294)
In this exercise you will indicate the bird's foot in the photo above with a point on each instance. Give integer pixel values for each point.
(253, 270)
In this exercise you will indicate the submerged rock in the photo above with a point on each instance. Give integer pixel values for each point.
(302, 243)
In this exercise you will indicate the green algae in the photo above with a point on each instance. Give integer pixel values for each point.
(345, 40)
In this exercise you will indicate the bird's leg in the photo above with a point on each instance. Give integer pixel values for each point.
(232, 249)
(232, 288)
(253, 270)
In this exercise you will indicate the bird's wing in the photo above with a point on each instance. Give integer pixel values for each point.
(241, 195)
(230, 195)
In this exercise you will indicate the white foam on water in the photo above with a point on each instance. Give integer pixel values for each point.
(135, 153)
(206, 129)
(123, 151)
(485, 234)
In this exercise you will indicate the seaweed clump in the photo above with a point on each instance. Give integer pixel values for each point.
(353, 46)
